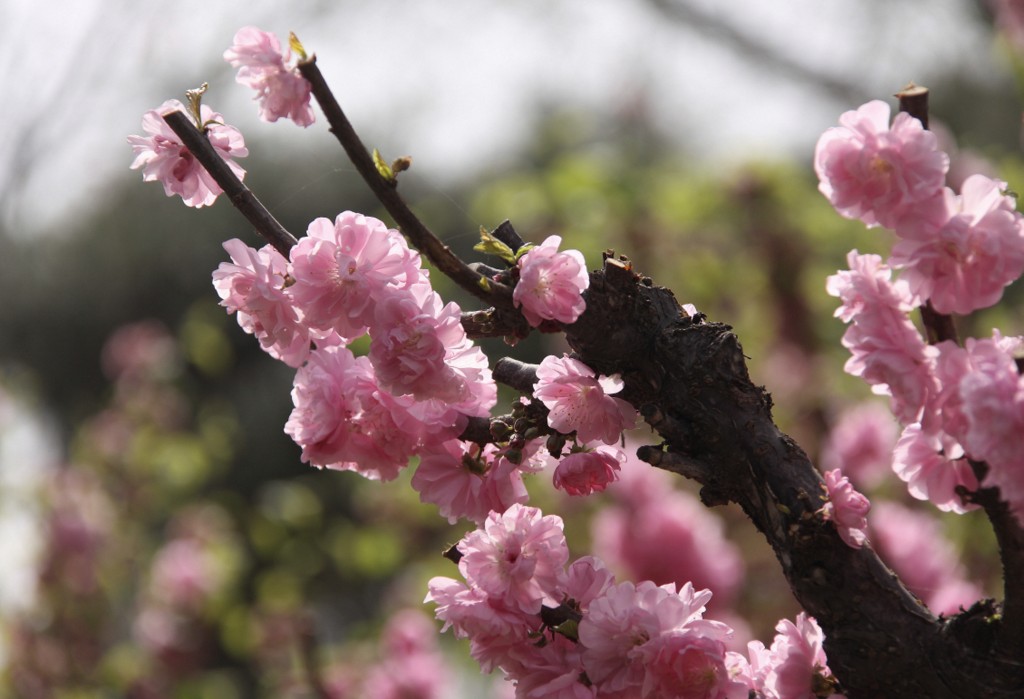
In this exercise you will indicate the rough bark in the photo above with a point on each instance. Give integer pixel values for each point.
(689, 379)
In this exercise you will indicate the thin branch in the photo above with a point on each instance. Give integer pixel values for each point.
(385, 190)
(241, 196)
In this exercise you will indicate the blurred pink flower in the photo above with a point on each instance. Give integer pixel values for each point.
(913, 545)
(281, 91)
(846, 508)
(861, 443)
(875, 173)
(141, 350)
(411, 666)
(588, 471)
(165, 158)
(580, 401)
(630, 536)
(551, 283)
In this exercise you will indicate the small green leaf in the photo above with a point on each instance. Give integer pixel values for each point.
(570, 629)
(489, 245)
(383, 168)
(523, 250)
(484, 283)
(296, 46)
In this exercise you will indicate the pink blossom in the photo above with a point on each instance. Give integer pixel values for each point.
(588, 471)
(798, 656)
(586, 579)
(137, 352)
(868, 285)
(549, 670)
(875, 173)
(518, 558)
(551, 283)
(686, 664)
(412, 666)
(861, 443)
(847, 508)
(993, 404)
(419, 676)
(185, 573)
(886, 349)
(464, 481)
(419, 347)
(580, 401)
(964, 263)
(342, 420)
(620, 623)
(933, 467)
(164, 157)
(342, 269)
(913, 545)
(281, 91)
(494, 630)
(253, 286)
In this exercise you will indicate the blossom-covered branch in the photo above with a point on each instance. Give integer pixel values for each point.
(241, 196)
(385, 190)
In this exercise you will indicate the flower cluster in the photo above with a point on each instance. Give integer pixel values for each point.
(958, 251)
(280, 90)
(346, 278)
(955, 253)
(164, 158)
(615, 640)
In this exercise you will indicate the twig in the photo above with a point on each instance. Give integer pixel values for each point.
(938, 326)
(241, 196)
(385, 190)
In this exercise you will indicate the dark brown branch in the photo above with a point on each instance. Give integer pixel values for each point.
(690, 379)
(938, 326)
(914, 101)
(384, 189)
(515, 374)
(241, 196)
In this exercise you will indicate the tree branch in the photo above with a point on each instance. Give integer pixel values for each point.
(241, 196)
(1008, 530)
(384, 189)
(690, 380)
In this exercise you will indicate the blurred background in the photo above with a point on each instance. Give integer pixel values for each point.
(160, 536)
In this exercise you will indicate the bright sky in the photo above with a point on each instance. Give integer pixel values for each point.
(451, 82)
